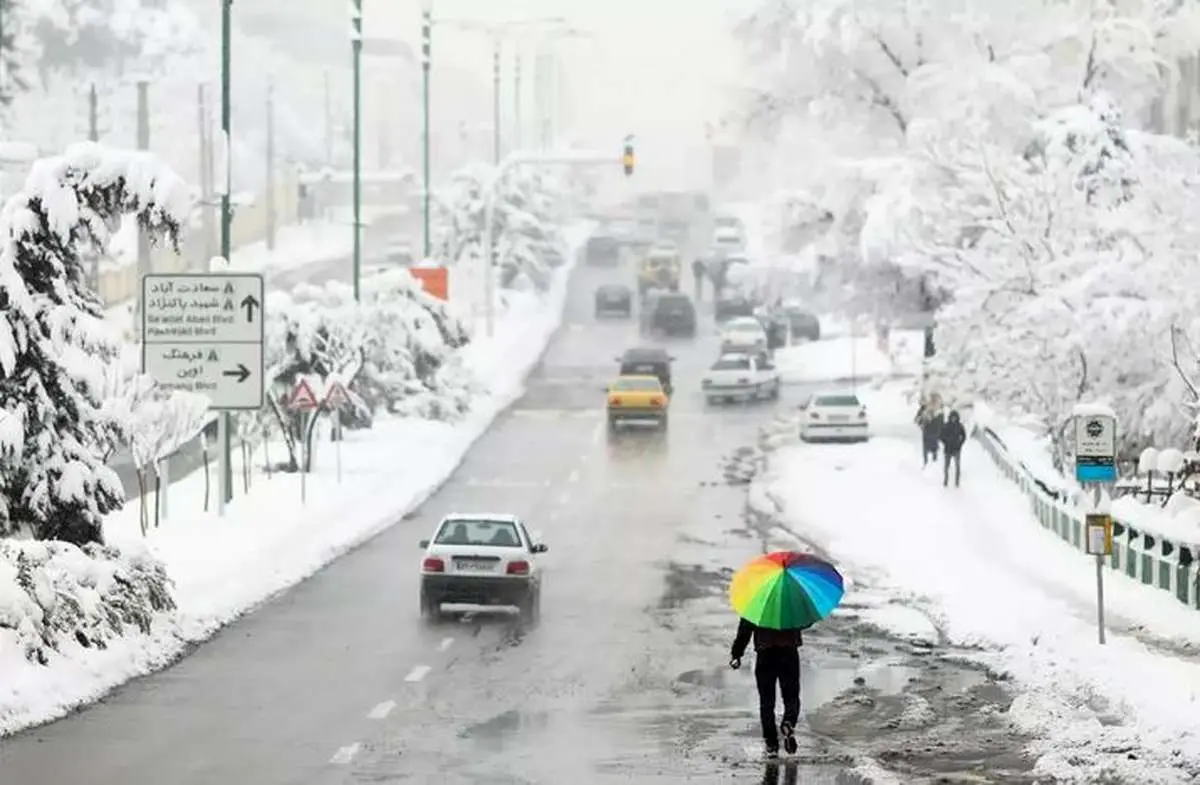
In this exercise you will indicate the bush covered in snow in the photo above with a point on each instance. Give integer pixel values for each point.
(55, 596)
(398, 344)
(1004, 169)
(54, 342)
(529, 212)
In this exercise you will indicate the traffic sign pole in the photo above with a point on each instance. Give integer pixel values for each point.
(1096, 469)
(203, 333)
(304, 400)
(336, 398)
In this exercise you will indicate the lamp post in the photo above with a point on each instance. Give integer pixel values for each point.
(426, 63)
(356, 44)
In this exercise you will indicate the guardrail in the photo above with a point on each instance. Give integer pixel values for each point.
(1147, 558)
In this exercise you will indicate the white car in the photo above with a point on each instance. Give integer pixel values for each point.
(834, 417)
(747, 376)
(744, 334)
(481, 559)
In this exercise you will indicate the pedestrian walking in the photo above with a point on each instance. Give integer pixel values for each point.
(953, 437)
(777, 662)
(931, 421)
(698, 271)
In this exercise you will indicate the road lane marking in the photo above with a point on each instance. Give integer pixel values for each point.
(574, 477)
(345, 754)
(418, 673)
(598, 433)
(381, 711)
(445, 644)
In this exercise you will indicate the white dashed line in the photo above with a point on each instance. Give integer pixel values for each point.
(418, 673)
(381, 711)
(445, 644)
(598, 433)
(574, 476)
(345, 754)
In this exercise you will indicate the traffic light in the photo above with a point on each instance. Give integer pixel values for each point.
(627, 156)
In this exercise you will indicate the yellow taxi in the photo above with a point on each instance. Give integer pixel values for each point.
(637, 399)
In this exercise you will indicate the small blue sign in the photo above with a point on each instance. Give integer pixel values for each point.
(1094, 473)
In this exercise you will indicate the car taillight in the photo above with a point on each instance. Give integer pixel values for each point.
(658, 400)
(814, 416)
(614, 401)
(517, 568)
(433, 565)
(862, 414)
(743, 381)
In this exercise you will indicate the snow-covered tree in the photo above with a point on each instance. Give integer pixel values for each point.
(54, 342)
(528, 213)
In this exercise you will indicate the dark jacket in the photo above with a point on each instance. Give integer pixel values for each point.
(763, 639)
(932, 427)
(953, 434)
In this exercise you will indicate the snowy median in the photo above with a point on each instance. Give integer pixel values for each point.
(973, 562)
(77, 621)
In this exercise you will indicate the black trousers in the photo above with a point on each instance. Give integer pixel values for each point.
(777, 665)
(930, 452)
(955, 456)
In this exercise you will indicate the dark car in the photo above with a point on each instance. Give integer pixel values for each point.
(647, 362)
(732, 306)
(803, 324)
(614, 298)
(671, 313)
(603, 251)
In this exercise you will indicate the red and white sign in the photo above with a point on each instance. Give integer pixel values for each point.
(302, 398)
(337, 397)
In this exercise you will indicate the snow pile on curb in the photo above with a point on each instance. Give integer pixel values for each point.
(267, 541)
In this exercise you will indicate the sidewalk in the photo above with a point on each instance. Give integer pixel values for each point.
(977, 563)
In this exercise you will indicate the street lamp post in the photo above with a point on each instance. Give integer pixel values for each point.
(356, 44)
(426, 63)
(496, 100)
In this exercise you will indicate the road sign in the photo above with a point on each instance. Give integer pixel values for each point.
(1099, 534)
(203, 333)
(302, 398)
(1095, 448)
(337, 397)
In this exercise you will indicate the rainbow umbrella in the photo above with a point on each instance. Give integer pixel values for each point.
(786, 590)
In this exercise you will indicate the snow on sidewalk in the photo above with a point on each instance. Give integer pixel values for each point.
(842, 359)
(976, 561)
(268, 540)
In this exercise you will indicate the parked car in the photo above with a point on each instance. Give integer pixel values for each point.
(485, 559)
(743, 334)
(731, 306)
(802, 323)
(742, 376)
(834, 417)
(614, 298)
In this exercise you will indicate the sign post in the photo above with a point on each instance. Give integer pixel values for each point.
(302, 399)
(1096, 468)
(336, 399)
(203, 333)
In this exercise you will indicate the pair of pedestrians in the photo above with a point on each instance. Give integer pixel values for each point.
(946, 432)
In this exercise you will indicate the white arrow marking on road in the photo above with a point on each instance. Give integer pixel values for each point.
(381, 711)
(345, 754)
(446, 643)
(418, 673)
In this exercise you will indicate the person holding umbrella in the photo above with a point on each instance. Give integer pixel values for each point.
(778, 596)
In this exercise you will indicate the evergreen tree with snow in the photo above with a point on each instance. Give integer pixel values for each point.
(54, 344)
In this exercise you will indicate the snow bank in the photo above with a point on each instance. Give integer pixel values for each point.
(269, 540)
(974, 561)
(843, 358)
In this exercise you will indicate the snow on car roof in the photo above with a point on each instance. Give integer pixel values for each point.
(646, 353)
(481, 516)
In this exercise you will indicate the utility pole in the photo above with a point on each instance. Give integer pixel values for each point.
(143, 143)
(517, 139)
(426, 64)
(271, 216)
(226, 422)
(496, 99)
(356, 48)
(93, 114)
(206, 175)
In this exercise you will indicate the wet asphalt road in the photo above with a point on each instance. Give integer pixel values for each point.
(624, 680)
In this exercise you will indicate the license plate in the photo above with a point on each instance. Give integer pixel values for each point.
(474, 566)
(839, 418)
